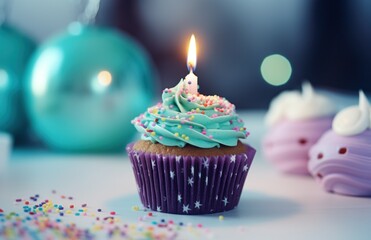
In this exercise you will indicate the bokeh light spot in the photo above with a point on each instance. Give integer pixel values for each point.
(101, 81)
(276, 69)
(3, 78)
(47, 64)
(105, 78)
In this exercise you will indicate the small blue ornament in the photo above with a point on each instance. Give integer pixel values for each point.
(15, 50)
(85, 86)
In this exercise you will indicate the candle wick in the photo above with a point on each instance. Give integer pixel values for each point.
(190, 68)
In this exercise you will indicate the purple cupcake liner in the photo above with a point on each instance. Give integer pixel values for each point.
(190, 185)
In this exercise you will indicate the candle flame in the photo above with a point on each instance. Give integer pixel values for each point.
(192, 54)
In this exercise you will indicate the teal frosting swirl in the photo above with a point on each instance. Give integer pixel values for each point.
(195, 119)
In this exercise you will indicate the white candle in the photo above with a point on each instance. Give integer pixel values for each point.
(191, 80)
(191, 83)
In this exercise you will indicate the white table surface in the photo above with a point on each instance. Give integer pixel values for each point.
(272, 206)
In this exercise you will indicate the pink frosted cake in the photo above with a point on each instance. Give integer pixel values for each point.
(341, 160)
(296, 121)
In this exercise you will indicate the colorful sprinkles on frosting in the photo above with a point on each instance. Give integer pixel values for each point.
(52, 218)
(196, 119)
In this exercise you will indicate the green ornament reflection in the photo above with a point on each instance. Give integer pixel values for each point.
(85, 86)
(15, 51)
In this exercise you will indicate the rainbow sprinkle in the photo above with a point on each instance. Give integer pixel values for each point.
(53, 219)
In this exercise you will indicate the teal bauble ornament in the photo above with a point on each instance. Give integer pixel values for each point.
(85, 86)
(15, 50)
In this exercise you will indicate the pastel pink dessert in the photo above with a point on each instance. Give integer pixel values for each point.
(341, 160)
(342, 164)
(296, 121)
(287, 144)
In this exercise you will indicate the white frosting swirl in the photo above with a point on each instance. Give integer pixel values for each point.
(353, 120)
(294, 105)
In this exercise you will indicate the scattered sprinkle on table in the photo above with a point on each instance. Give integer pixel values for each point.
(52, 218)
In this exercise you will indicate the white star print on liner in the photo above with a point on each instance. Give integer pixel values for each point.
(136, 156)
(198, 204)
(205, 163)
(172, 175)
(190, 181)
(225, 201)
(186, 208)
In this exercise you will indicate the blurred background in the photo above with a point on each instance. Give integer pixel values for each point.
(326, 42)
(248, 50)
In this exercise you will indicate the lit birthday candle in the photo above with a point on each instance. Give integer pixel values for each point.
(191, 83)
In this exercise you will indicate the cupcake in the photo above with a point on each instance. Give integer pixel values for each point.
(341, 160)
(190, 159)
(295, 122)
